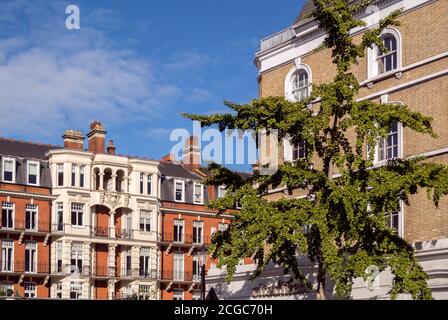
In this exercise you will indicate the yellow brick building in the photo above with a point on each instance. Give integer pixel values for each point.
(414, 72)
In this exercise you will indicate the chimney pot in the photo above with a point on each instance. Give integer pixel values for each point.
(111, 147)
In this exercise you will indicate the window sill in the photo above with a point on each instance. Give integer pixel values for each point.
(397, 73)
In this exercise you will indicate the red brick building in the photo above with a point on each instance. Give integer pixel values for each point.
(25, 233)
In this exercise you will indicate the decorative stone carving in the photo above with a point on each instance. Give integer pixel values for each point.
(114, 199)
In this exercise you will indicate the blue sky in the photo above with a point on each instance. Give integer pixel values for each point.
(134, 65)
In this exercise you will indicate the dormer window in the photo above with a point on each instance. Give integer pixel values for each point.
(179, 191)
(33, 172)
(9, 166)
(221, 191)
(198, 196)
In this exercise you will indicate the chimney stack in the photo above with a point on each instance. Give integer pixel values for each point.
(191, 155)
(73, 140)
(111, 148)
(97, 137)
(168, 158)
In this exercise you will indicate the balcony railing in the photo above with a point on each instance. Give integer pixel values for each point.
(100, 232)
(124, 234)
(148, 274)
(57, 228)
(104, 272)
(22, 225)
(180, 276)
(187, 239)
(22, 267)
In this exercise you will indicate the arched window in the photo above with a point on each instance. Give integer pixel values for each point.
(384, 61)
(298, 83)
(388, 60)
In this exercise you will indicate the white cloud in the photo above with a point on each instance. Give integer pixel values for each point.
(52, 79)
(187, 60)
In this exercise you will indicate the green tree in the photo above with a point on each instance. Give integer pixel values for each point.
(341, 225)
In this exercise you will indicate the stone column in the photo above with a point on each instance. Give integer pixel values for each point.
(112, 233)
(87, 258)
(111, 265)
(135, 260)
(114, 183)
(101, 178)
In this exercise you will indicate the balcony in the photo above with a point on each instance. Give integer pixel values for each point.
(180, 276)
(124, 234)
(152, 274)
(58, 228)
(104, 272)
(186, 239)
(25, 226)
(21, 268)
(102, 232)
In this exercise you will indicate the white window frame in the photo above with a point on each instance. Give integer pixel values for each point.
(141, 186)
(198, 225)
(201, 199)
(195, 262)
(145, 216)
(82, 176)
(31, 245)
(79, 211)
(7, 244)
(179, 223)
(290, 77)
(32, 208)
(221, 191)
(37, 163)
(77, 254)
(178, 294)
(372, 56)
(60, 169)
(30, 288)
(178, 274)
(182, 182)
(145, 252)
(196, 295)
(4, 159)
(223, 226)
(58, 289)
(400, 213)
(379, 162)
(77, 288)
(297, 146)
(9, 206)
(149, 183)
(73, 175)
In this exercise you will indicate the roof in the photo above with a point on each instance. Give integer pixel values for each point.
(26, 149)
(307, 8)
(170, 169)
(244, 175)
